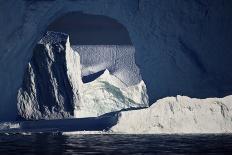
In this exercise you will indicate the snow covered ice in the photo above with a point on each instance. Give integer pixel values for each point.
(108, 94)
(179, 114)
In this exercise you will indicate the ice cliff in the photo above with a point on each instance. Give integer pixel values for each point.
(179, 114)
(52, 81)
(53, 89)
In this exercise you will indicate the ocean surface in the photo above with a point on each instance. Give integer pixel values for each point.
(55, 143)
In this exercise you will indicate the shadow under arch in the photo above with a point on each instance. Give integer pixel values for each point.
(89, 29)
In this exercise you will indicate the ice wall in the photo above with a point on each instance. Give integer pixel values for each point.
(52, 81)
(118, 59)
(182, 47)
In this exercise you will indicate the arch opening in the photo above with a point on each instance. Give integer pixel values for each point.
(88, 29)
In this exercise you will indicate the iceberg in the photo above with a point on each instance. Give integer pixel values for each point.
(53, 89)
(178, 115)
(181, 47)
(106, 104)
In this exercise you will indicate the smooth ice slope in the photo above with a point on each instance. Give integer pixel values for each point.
(52, 81)
(179, 114)
(108, 94)
(118, 59)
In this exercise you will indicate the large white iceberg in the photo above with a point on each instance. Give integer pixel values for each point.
(179, 114)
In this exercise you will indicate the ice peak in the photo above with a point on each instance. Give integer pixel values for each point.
(106, 72)
(58, 66)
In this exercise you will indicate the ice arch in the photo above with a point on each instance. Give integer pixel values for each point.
(183, 47)
(102, 43)
(89, 29)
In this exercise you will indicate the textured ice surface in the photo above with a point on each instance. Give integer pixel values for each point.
(118, 59)
(182, 47)
(179, 114)
(52, 80)
(108, 94)
(9, 125)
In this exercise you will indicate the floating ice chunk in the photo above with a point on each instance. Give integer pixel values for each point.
(9, 125)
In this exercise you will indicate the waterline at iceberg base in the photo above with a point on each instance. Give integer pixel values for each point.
(53, 97)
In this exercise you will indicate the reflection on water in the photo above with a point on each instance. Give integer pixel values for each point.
(107, 144)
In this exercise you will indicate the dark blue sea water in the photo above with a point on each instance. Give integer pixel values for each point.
(48, 143)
